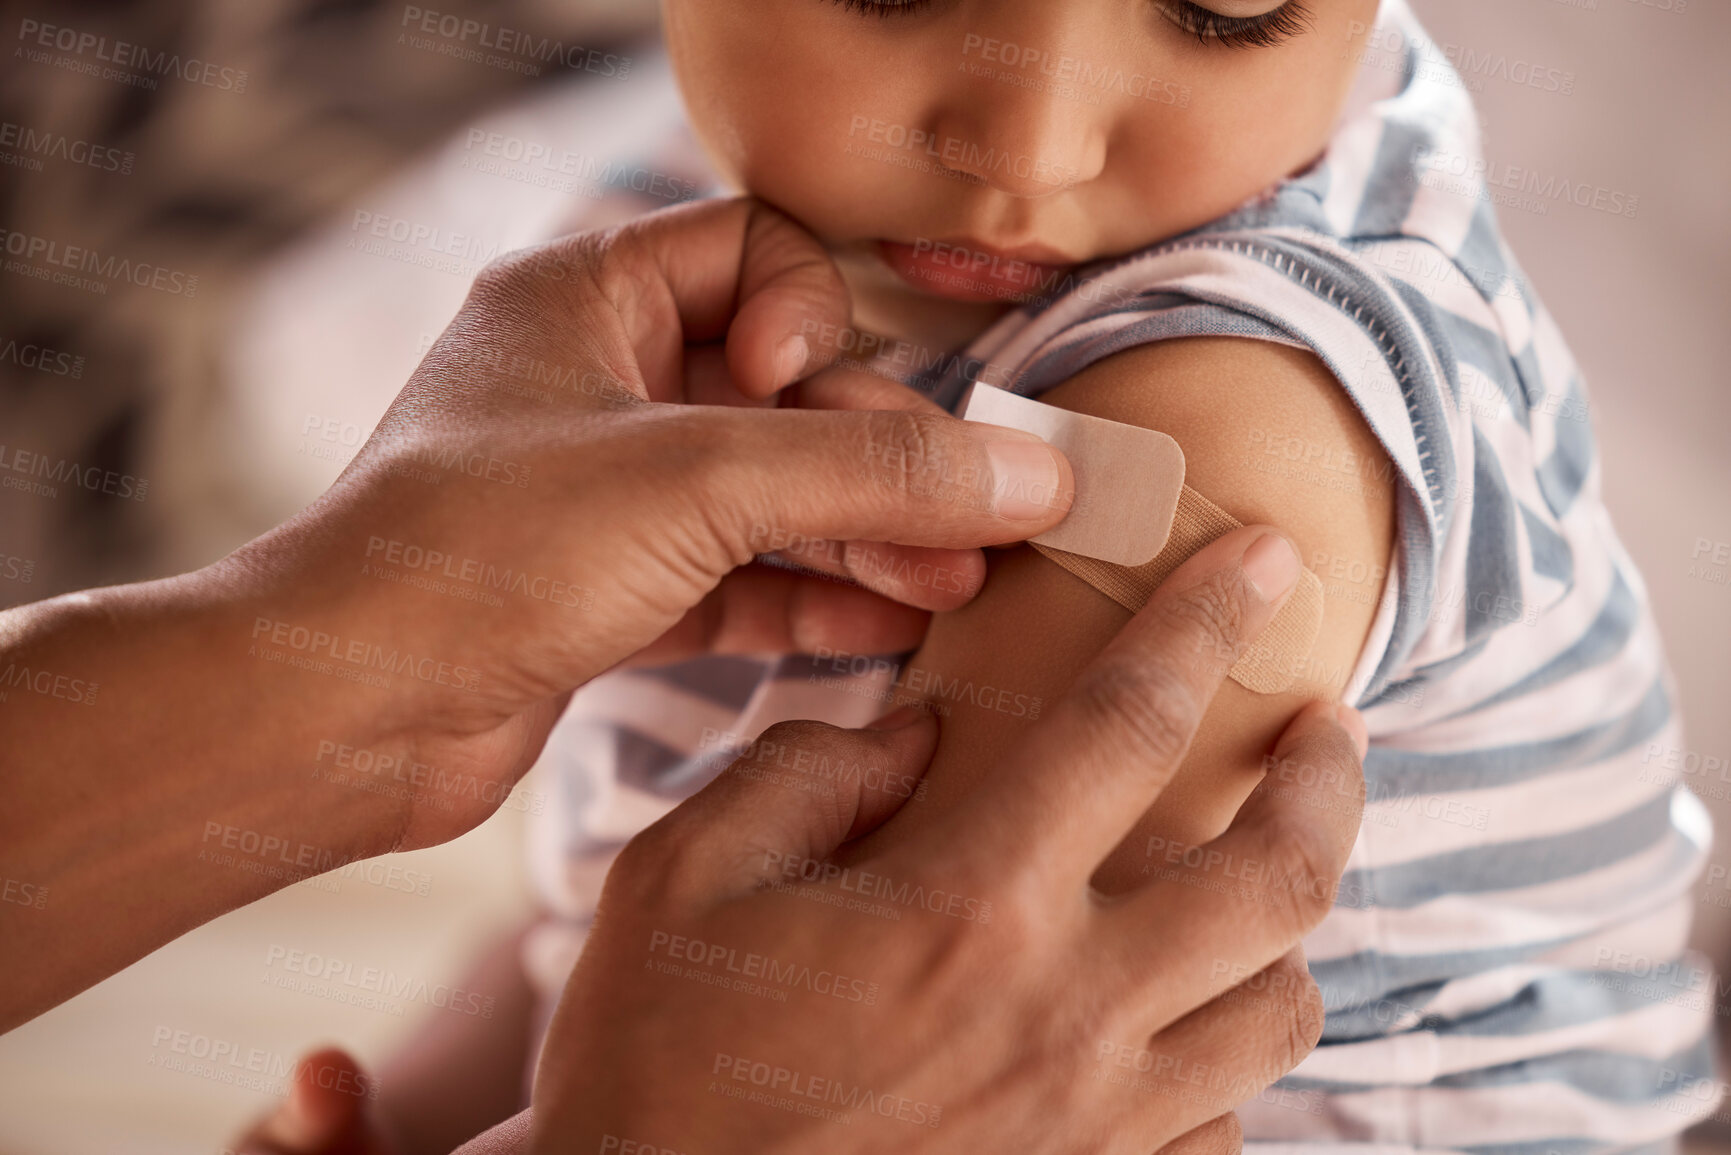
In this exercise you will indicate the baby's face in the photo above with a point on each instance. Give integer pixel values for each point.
(1043, 131)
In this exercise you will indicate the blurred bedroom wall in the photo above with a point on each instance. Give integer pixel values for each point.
(282, 112)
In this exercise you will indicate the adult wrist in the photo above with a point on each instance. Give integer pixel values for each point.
(155, 776)
(282, 705)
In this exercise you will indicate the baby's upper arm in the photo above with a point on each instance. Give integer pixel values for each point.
(1269, 436)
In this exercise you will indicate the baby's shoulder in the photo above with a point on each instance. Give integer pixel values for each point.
(1269, 435)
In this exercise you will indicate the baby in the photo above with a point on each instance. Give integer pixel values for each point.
(1258, 227)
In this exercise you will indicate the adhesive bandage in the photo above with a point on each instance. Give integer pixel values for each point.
(1127, 478)
(1134, 521)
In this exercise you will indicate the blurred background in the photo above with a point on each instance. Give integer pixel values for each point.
(236, 336)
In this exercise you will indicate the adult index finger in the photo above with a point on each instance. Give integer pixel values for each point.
(762, 480)
(1092, 766)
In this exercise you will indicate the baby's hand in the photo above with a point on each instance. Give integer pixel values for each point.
(329, 1111)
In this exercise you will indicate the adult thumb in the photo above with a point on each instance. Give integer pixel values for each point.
(798, 793)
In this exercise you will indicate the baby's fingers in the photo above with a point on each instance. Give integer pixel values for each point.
(326, 1112)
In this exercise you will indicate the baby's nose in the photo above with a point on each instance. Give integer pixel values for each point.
(1011, 114)
(1020, 141)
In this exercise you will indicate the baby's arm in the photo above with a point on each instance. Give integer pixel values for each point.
(1034, 625)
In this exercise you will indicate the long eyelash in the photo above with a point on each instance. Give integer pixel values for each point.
(1264, 31)
(883, 9)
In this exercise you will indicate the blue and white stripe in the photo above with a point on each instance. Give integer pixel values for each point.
(1522, 862)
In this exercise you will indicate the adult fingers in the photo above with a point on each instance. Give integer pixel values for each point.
(784, 805)
(1090, 768)
(844, 387)
(919, 576)
(789, 290)
(1259, 888)
(708, 381)
(1220, 1055)
(737, 266)
(933, 579)
(759, 478)
(760, 609)
(1220, 1136)
(1233, 1048)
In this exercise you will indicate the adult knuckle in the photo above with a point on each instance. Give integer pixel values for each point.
(529, 275)
(649, 864)
(1221, 1136)
(1301, 1021)
(796, 733)
(1144, 705)
(1231, 1134)
(1212, 613)
(620, 262)
(509, 288)
(501, 275)
(899, 442)
(1309, 866)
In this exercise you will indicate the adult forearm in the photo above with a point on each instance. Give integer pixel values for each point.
(378, 672)
(154, 775)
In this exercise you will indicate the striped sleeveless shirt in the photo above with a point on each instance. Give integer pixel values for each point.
(1506, 970)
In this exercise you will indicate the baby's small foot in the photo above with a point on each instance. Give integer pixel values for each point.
(328, 1112)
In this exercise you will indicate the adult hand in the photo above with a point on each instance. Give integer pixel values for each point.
(579, 474)
(625, 509)
(778, 953)
(776, 965)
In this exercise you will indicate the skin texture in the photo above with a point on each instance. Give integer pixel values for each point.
(1111, 171)
(140, 808)
(106, 805)
(1012, 949)
(812, 131)
(1060, 622)
(775, 89)
(1006, 1012)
